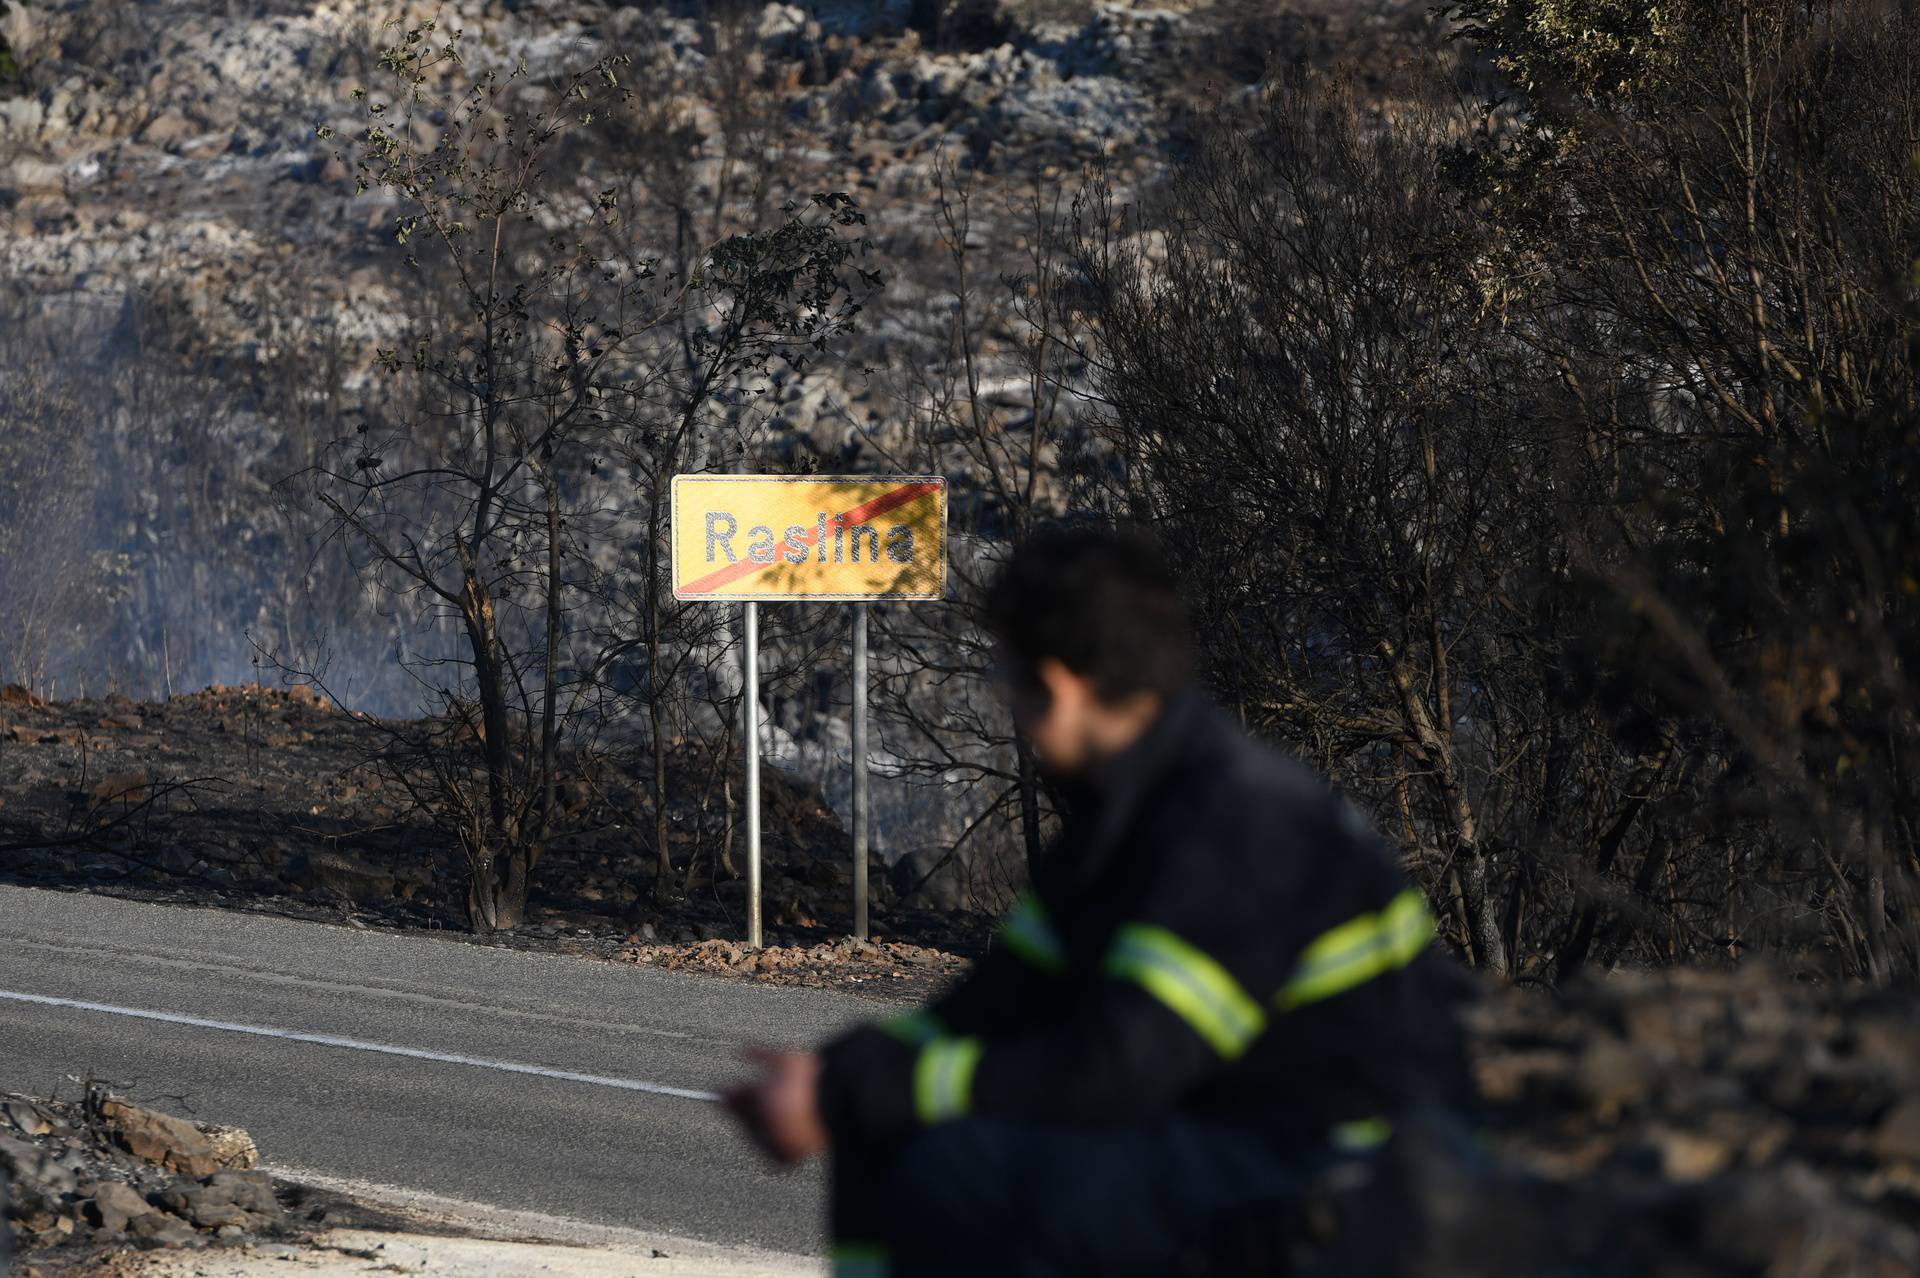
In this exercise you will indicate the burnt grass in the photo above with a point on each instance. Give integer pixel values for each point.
(268, 800)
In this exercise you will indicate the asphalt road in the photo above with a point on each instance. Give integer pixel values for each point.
(608, 1151)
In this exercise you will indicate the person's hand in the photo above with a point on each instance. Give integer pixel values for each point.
(781, 1111)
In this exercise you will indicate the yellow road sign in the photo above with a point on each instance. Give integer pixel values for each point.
(766, 537)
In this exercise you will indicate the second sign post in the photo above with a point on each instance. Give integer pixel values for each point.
(854, 539)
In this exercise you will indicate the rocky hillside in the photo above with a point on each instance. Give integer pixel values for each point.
(193, 286)
(172, 146)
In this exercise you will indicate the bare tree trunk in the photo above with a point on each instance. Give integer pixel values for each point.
(496, 865)
(1879, 963)
(1457, 900)
(1517, 910)
(1587, 916)
(1435, 739)
(1490, 949)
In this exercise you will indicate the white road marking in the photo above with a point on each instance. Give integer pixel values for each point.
(359, 1045)
(248, 971)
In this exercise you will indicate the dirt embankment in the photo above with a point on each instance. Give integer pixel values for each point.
(271, 799)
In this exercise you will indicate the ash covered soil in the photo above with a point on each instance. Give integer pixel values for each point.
(266, 799)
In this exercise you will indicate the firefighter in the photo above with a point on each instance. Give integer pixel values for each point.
(1217, 986)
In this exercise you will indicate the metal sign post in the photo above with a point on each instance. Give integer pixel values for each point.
(860, 777)
(850, 538)
(750, 696)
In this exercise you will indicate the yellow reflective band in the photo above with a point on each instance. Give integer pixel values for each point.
(1027, 933)
(1193, 986)
(914, 1029)
(1359, 950)
(943, 1078)
(1361, 1135)
(859, 1260)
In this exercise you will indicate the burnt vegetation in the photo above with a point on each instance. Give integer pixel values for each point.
(1529, 400)
(1545, 473)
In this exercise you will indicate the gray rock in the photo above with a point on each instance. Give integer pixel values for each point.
(159, 1138)
(26, 1118)
(208, 1208)
(877, 92)
(114, 1206)
(36, 1172)
(251, 1190)
(158, 1229)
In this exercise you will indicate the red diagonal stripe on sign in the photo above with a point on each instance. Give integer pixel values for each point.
(858, 515)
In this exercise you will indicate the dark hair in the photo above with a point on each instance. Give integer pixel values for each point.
(1100, 601)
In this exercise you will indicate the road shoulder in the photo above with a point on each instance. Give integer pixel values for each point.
(348, 1253)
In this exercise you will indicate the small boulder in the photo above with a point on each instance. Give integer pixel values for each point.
(26, 1118)
(167, 129)
(114, 1206)
(15, 695)
(131, 787)
(251, 1190)
(45, 1223)
(207, 1207)
(233, 1149)
(157, 1229)
(159, 1138)
(37, 1172)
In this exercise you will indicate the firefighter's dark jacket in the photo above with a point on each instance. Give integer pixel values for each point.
(1215, 935)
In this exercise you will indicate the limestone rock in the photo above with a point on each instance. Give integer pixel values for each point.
(25, 1118)
(233, 1149)
(249, 1190)
(158, 1229)
(159, 1138)
(38, 1172)
(113, 1206)
(207, 1207)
